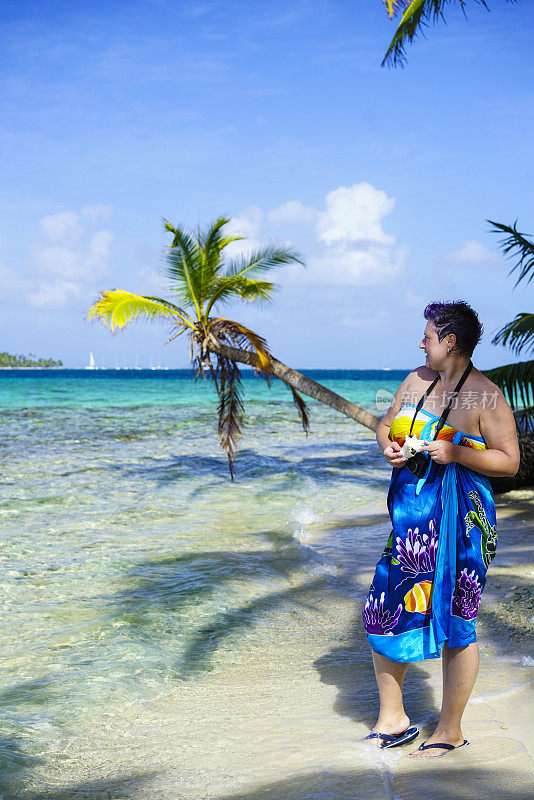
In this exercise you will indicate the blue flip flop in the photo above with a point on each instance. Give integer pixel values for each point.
(444, 745)
(395, 739)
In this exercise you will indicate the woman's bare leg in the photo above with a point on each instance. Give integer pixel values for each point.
(460, 668)
(392, 717)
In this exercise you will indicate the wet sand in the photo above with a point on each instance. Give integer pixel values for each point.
(282, 715)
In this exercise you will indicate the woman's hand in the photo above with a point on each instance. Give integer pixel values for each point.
(440, 451)
(393, 456)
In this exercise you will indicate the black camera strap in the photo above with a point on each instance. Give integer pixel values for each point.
(446, 410)
(421, 401)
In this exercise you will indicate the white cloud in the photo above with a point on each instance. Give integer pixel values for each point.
(292, 213)
(353, 248)
(54, 294)
(247, 223)
(345, 244)
(354, 214)
(98, 251)
(63, 264)
(82, 263)
(10, 281)
(472, 253)
(345, 266)
(56, 260)
(64, 227)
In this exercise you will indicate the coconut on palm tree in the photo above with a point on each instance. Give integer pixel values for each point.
(203, 278)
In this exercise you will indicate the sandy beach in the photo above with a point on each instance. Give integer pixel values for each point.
(287, 721)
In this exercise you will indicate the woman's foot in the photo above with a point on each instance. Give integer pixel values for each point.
(435, 752)
(391, 725)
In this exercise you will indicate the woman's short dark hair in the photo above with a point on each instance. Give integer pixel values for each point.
(459, 318)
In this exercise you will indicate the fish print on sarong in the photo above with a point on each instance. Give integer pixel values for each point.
(428, 583)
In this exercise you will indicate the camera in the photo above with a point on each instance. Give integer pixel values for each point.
(416, 461)
(417, 464)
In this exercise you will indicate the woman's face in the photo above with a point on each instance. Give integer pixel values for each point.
(436, 352)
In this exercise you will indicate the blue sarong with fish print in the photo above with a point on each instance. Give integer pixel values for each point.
(429, 580)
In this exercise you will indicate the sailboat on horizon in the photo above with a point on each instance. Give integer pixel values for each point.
(91, 364)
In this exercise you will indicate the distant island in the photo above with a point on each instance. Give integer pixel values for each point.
(7, 361)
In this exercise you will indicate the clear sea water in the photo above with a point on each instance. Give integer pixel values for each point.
(133, 567)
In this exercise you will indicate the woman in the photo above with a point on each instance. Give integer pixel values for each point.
(427, 584)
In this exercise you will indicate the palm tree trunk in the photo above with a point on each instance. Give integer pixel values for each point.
(301, 383)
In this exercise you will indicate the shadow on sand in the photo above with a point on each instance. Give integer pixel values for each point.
(451, 782)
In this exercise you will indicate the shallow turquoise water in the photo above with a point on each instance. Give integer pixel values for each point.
(124, 543)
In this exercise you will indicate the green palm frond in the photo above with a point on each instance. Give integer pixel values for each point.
(200, 276)
(517, 334)
(184, 267)
(182, 239)
(237, 288)
(261, 260)
(230, 408)
(185, 278)
(416, 15)
(516, 245)
(250, 289)
(302, 408)
(516, 382)
(392, 7)
(212, 244)
(117, 307)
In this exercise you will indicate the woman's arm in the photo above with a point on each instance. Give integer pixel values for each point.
(497, 426)
(391, 450)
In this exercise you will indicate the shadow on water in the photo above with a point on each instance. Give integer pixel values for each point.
(379, 783)
(15, 763)
(363, 463)
(462, 783)
(174, 583)
(15, 759)
(197, 576)
(36, 692)
(123, 788)
(207, 639)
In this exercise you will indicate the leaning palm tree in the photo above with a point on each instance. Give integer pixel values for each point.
(416, 14)
(202, 278)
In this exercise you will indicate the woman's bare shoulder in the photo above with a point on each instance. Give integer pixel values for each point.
(420, 377)
(489, 394)
(483, 382)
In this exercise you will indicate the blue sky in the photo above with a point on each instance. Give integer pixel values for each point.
(280, 116)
